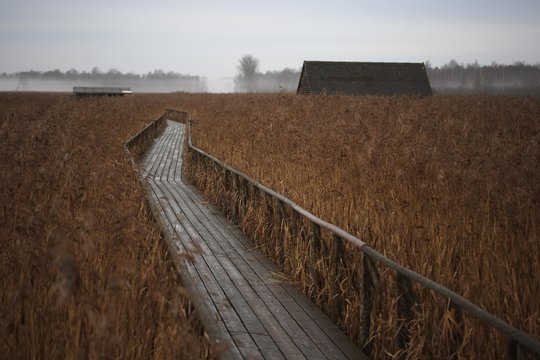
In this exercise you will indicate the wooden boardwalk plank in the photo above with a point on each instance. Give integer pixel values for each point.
(227, 274)
(241, 279)
(256, 315)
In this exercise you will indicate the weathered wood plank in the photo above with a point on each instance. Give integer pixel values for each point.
(262, 317)
(227, 273)
(247, 272)
(205, 306)
(251, 318)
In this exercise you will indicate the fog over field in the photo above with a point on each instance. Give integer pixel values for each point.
(518, 78)
(207, 38)
(140, 87)
(213, 85)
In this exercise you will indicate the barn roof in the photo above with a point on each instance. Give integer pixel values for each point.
(363, 78)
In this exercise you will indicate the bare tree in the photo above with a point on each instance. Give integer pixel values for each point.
(248, 70)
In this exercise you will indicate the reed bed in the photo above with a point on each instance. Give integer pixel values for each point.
(85, 273)
(447, 186)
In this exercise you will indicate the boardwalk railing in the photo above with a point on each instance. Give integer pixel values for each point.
(140, 142)
(135, 147)
(387, 312)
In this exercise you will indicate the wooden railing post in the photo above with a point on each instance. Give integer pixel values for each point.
(226, 180)
(513, 350)
(370, 283)
(338, 260)
(254, 196)
(302, 237)
(314, 255)
(280, 235)
(232, 198)
(257, 203)
(238, 199)
(268, 228)
(296, 230)
(243, 201)
(404, 308)
(459, 332)
(198, 167)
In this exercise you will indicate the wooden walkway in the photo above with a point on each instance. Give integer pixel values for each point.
(256, 315)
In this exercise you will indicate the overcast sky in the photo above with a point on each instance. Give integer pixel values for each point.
(208, 37)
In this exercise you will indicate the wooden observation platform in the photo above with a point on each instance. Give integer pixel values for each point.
(101, 91)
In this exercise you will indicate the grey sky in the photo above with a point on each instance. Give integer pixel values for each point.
(208, 37)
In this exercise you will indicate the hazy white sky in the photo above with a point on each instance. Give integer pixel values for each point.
(208, 37)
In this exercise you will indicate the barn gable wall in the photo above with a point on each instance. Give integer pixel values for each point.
(303, 84)
(360, 78)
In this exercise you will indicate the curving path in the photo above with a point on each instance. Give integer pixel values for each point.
(243, 305)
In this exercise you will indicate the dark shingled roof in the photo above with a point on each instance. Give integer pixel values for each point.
(363, 78)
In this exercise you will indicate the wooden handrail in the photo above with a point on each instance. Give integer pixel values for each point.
(515, 335)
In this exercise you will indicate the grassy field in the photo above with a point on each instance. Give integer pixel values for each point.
(448, 186)
(84, 271)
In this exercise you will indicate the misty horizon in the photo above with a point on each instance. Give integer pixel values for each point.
(452, 77)
(208, 37)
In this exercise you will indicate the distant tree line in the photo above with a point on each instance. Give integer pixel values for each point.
(250, 79)
(451, 78)
(170, 80)
(495, 79)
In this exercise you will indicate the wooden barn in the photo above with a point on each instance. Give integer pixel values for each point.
(363, 78)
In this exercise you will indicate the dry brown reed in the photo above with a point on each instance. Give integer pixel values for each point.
(447, 186)
(84, 271)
